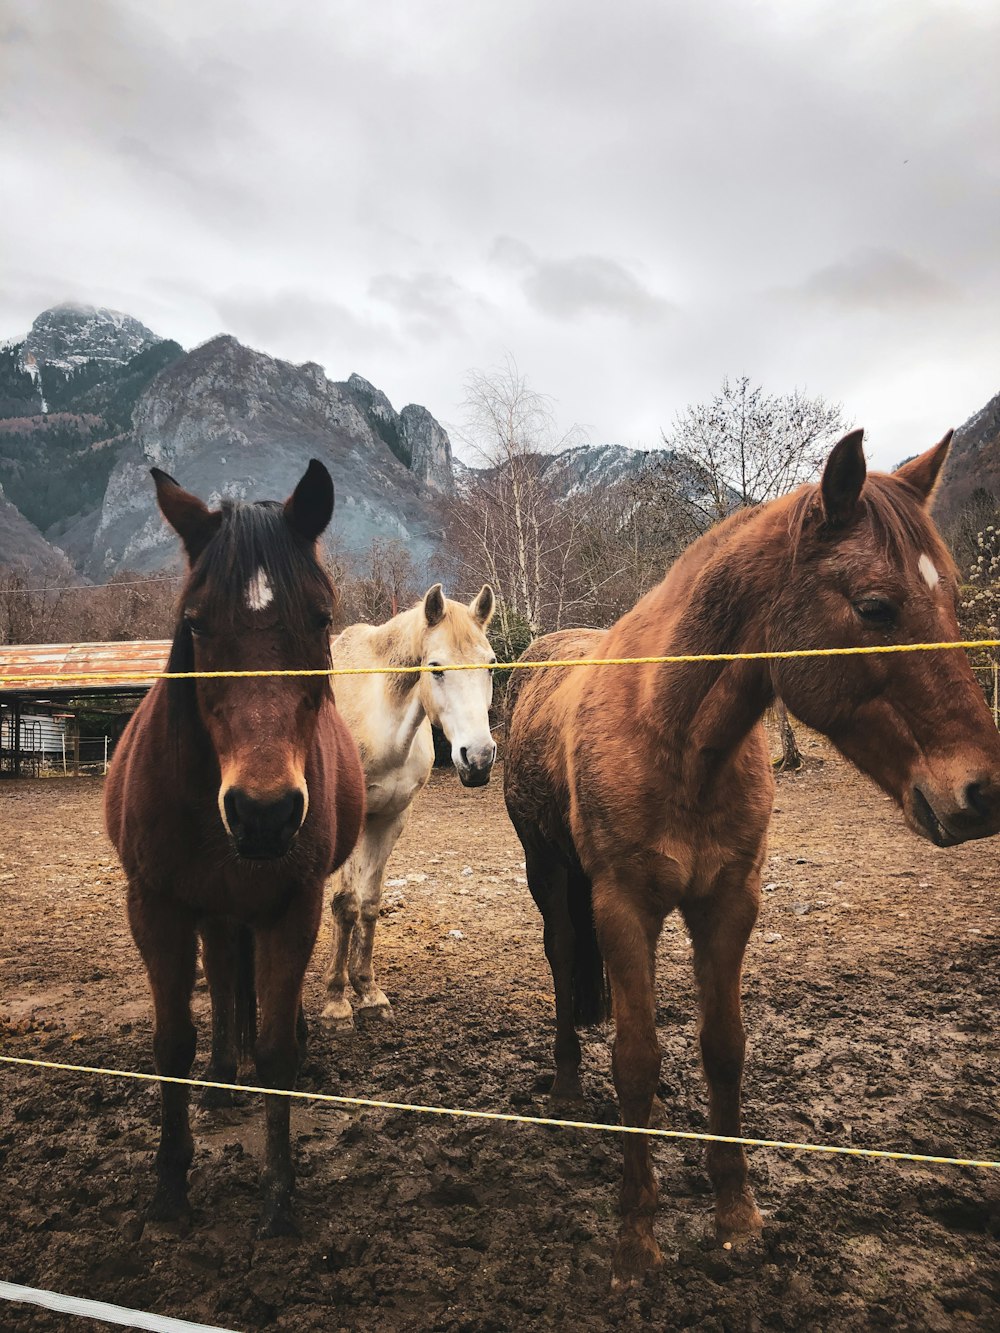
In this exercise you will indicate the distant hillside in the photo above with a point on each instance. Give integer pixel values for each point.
(974, 461)
(23, 547)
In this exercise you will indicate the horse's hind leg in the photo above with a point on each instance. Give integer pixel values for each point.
(344, 912)
(218, 940)
(381, 836)
(165, 935)
(628, 938)
(548, 881)
(282, 955)
(719, 932)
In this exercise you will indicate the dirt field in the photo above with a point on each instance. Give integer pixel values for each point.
(872, 1009)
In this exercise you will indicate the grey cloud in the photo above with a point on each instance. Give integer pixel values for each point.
(292, 322)
(368, 186)
(428, 303)
(581, 285)
(877, 279)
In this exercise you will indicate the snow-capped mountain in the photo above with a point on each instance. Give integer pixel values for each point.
(68, 336)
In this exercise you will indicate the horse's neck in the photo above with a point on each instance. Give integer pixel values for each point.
(408, 722)
(701, 712)
(400, 641)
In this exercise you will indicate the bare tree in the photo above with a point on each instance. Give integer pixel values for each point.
(752, 446)
(748, 447)
(36, 609)
(32, 606)
(638, 527)
(508, 522)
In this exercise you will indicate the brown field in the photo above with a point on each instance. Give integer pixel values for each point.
(872, 1011)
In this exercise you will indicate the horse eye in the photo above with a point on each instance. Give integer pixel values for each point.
(435, 672)
(876, 611)
(197, 627)
(324, 619)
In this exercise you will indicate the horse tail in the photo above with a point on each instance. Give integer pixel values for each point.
(246, 991)
(591, 988)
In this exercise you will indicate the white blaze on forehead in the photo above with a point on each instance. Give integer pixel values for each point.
(926, 566)
(259, 594)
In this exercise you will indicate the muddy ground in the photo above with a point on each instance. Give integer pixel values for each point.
(871, 1003)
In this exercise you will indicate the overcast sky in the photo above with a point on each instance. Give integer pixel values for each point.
(631, 199)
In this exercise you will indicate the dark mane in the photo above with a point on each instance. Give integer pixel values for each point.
(251, 537)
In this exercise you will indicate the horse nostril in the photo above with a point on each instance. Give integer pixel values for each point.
(976, 799)
(464, 753)
(263, 828)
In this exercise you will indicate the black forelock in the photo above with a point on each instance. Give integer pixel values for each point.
(250, 538)
(254, 537)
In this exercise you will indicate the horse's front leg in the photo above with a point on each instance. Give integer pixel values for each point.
(219, 956)
(628, 938)
(165, 934)
(282, 955)
(720, 928)
(345, 909)
(381, 835)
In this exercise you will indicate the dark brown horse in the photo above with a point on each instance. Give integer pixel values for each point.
(230, 802)
(637, 790)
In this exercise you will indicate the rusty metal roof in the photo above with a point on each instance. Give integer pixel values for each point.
(42, 669)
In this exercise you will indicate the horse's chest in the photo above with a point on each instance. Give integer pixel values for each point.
(391, 791)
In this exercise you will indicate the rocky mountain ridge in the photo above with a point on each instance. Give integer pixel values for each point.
(79, 431)
(231, 422)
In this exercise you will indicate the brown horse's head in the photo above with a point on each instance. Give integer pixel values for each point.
(868, 567)
(256, 599)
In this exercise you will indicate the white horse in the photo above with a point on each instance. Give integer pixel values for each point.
(390, 717)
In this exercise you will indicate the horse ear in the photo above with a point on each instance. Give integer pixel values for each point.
(189, 517)
(923, 471)
(843, 478)
(434, 605)
(483, 606)
(309, 508)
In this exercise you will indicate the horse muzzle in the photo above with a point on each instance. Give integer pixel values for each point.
(475, 764)
(262, 830)
(949, 818)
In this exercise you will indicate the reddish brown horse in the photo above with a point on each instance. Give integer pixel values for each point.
(230, 802)
(637, 790)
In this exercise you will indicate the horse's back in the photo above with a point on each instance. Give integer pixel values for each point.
(563, 645)
(539, 719)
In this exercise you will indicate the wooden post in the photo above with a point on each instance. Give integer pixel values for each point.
(996, 705)
(64, 748)
(76, 753)
(105, 756)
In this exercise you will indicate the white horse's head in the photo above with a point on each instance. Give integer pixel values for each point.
(459, 701)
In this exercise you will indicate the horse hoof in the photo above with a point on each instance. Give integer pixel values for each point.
(739, 1224)
(277, 1220)
(217, 1099)
(380, 1012)
(169, 1205)
(565, 1094)
(338, 1015)
(636, 1256)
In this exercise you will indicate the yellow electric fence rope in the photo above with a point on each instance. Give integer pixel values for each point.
(508, 1117)
(776, 656)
